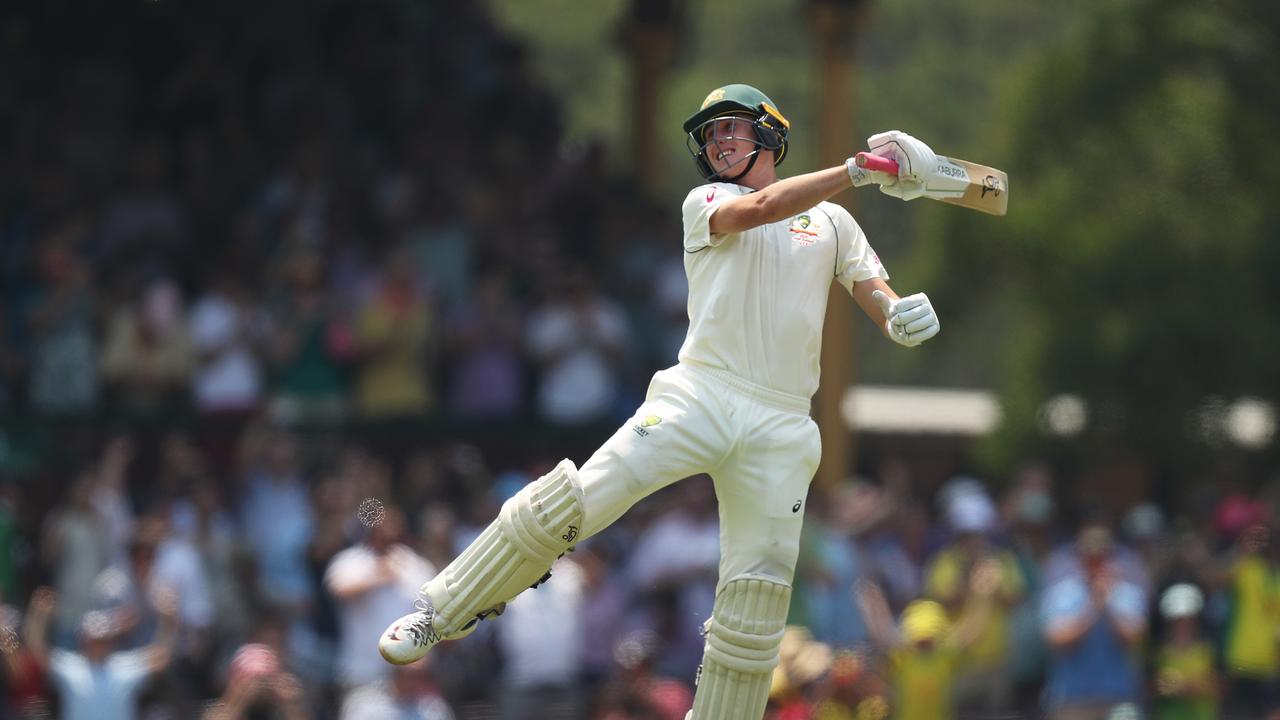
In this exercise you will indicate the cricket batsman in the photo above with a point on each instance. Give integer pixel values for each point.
(760, 254)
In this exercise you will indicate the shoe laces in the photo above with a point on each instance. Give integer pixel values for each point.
(421, 630)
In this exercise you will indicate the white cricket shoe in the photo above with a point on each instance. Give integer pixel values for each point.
(409, 638)
(412, 636)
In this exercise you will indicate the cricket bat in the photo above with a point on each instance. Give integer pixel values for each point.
(987, 188)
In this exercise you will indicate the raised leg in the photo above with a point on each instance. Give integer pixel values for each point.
(536, 526)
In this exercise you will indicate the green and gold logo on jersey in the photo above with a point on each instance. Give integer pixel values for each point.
(801, 230)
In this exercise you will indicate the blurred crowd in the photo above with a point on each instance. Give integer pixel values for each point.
(231, 232)
(363, 211)
(174, 590)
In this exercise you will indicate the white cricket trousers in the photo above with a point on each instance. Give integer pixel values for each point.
(760, 447)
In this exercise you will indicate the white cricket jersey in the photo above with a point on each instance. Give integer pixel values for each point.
(757, 299)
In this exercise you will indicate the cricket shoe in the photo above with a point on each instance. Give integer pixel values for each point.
(409, 639)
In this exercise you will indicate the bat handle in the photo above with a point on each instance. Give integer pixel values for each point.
(875, 163)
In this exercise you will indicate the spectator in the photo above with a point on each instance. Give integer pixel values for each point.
(24, 678)
(983, 683)
(673, 570)
(147, 361)
(64, 366)
(217, 539)
(802, 662)
(73, 549)
(98, 683)
(486, 368)
(1186, 683)
(309, 345)
(228, 379)
(410, 694)
(278, 522)
(1093, 622)
(577, 339)
(391, 335)
(256, 685)
(540, 646)
(372, 582)
(1250, 656)
(636, 690)
(833, 556)
(925, 651)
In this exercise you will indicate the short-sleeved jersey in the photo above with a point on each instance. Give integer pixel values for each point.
(758, 298)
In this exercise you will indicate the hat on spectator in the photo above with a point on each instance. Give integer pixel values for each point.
(1181, 600)
(958, 487)
(801, 660)
(923, 620)
(972, 512)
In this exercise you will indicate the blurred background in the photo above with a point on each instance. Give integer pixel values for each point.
(264, 261)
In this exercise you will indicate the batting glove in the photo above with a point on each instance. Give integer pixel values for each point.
(860, 176)
(915, 161)
(909, 320)
(921, 172)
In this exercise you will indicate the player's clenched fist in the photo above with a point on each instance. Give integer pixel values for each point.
(909, 320)
(916, 162)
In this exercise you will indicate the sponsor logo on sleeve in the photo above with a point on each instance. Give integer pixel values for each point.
(642, 428)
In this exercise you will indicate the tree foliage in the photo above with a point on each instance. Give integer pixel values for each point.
(1141, 248)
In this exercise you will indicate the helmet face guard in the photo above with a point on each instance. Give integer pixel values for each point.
(762, 131)
(760, 124)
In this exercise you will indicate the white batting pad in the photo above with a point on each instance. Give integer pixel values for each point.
(743, 637)
(536, 526)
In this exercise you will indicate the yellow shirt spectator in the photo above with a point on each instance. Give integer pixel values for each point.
(947, 581)
(1255, 616)
(924, 681)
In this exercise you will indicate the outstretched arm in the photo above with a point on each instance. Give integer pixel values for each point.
(875, 612)
(160, 651)
(36, 630)
(778, 201)
(983, 586)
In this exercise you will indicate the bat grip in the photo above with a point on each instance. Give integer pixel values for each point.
(875, 163)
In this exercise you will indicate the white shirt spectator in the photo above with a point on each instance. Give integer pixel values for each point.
(540, 635)
(366, 615)
(180, 569)
(229, 376)
(579, 382)
(378, 702)
(108, 691)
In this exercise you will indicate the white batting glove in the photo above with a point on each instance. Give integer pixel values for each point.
(921, 171)
(909, 320)
(860, 176)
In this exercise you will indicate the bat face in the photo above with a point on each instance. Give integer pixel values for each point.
(988, 189)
